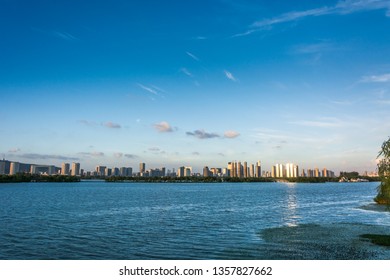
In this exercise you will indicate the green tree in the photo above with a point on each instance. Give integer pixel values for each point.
(383, 196)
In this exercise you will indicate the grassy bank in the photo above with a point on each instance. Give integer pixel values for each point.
(378, 239)
(25, 178)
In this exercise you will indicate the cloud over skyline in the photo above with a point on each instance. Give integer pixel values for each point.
(231, 134)
(163, 127)
(118, 155)
(34, 156)
(111, 125)
(201, 134)
(92, 154)
(131, 156)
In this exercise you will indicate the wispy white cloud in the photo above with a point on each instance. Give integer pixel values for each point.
(383, 102)
(324, 123)
(105, 124)
(163, 127)
(343, 102)
(87, 123)
(154, 90)
(384, 78)
(46, 157)
(291, 16)
(246, 33)
(155, 150)
(185, 71)
(130, 156)
(92, 154)
(148, 89)
(314, 48)
(14, 150)
(230, 76)
(341, 8)
(351, 6)
(231, 134)
(64, 35)
(158, 89)
(54, 33)
(192, 56)
(118, 155)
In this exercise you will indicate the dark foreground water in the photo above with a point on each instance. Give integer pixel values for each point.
(97, 220)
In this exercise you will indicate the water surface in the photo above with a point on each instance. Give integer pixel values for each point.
(98, 220)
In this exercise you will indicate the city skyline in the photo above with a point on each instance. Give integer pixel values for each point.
(234, 168)
(197, 82)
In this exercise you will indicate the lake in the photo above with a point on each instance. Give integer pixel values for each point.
(99, 220)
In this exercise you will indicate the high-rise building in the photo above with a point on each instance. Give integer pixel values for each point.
(317, 173)
(115, 171)
(14, 169)
(252, 170)
(101, 170)
(51, 170)
(142, 167)
(75, 169)
(273, 171)
(181, 171)
(65, 168)
(206, 171)
(225, 172)
(5, 166)
(239, 170)
(187, 171)
(289, 170)
(245, 169)
(258, 169)
(230, 169)
(280, 171)
(2, 167)
(123, 171)
(296, 171)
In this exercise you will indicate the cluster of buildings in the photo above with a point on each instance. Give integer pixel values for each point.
(235, 169)
(291, 170)
(12, 168)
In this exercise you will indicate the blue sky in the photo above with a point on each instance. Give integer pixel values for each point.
(195, 83)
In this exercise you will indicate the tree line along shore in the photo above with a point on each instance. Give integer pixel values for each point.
(24, 177)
